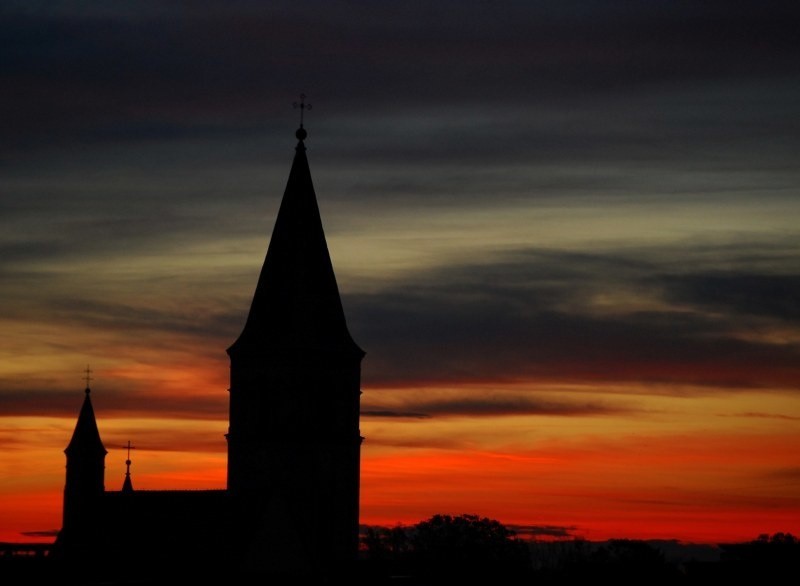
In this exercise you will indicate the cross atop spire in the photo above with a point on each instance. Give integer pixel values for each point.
(303, 106)
(129, 448)
(301, 132)
(87, 376)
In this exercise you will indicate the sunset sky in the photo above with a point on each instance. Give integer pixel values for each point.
(566, 234)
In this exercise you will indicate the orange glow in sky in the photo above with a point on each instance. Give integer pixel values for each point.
(715, 477)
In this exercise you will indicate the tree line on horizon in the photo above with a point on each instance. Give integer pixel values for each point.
(469, 547)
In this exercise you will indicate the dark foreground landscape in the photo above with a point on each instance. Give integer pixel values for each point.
(455, 561)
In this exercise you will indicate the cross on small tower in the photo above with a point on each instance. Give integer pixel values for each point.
(303, 106)
(87, 376)
(129, 447)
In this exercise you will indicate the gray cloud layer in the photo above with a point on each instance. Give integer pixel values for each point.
(135, 130)
(161, 70)
(531, 316)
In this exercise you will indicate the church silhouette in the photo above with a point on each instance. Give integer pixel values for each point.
(291, 506)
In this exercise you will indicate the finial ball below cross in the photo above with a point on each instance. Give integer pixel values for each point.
(301, 132)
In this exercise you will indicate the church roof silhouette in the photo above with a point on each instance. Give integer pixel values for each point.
(291, 504)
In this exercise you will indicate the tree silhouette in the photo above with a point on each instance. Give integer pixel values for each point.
(383, 544)
(451, 546)
(775, 557)
(616, 561)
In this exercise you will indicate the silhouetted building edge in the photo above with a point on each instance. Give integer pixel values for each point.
(291, 506)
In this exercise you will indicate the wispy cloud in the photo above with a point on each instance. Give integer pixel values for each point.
(552, 531)
(463, 401)
(603, 317)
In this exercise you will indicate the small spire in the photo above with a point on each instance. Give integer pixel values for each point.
(301, 132)
(87, 376)
(127, 485)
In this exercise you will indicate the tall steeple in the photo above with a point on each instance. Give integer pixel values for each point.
(296, 302)
(294, 440)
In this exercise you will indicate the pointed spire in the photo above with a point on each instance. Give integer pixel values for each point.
(86, 437)
(296, 303)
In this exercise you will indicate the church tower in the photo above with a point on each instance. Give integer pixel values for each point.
(295, 373)
(85, 482)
